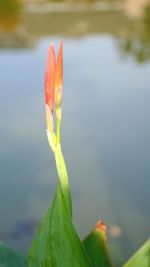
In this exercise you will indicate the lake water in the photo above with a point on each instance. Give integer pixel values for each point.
(105, 126)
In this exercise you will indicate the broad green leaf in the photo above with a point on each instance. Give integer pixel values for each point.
(57, 243)
(141, 258)
(11, 258)
(96, 246)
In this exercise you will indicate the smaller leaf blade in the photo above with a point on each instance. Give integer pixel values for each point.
(11, 258)
(141, 258)
(96, 247)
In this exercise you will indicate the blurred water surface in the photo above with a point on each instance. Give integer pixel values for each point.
(105, 127)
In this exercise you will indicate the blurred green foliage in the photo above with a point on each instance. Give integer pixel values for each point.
(9, 7)
(11, 258)
(137, 42)
(9, 14)
(80, 1)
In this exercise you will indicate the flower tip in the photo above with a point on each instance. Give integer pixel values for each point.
(60, 51)
(51, 51)
(101, 226)
(61, 42)
(51, 46)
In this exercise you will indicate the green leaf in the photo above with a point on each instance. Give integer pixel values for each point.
(96, 246)
(57, 243)
(11, 258)
(141, 258)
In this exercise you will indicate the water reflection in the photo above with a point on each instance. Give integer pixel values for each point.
(110, 134)
(114, 144)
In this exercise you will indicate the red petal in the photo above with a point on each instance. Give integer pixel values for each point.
(50, 78)
(59, 76)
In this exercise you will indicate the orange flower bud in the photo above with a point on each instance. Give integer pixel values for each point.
(53, 85)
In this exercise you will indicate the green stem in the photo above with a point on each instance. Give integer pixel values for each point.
(54, 141)
(63, 177)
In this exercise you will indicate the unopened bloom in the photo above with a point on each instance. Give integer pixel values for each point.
(53, 85)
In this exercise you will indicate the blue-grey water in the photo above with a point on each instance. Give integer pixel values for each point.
(105, 137)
